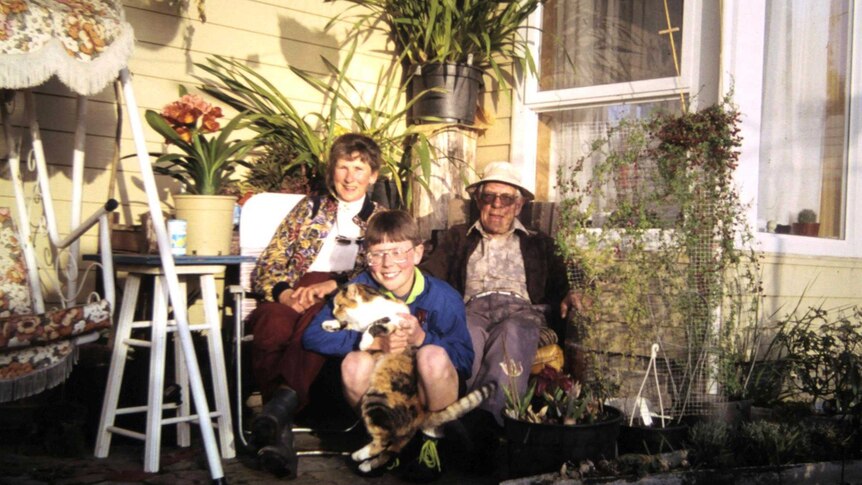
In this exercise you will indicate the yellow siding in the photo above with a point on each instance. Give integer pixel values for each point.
(789, 279)
(270, 36)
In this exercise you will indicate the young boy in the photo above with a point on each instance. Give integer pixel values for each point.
(445, 352)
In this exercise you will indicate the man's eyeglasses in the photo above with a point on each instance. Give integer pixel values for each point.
(488, 198)
(397, 256)
(346, 241)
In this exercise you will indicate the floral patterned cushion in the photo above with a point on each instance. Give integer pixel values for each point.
(24, 362)
(84, 42)
(27, 330)
(14, 291)
(37, 351)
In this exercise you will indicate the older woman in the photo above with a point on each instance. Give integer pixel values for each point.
(316, 247)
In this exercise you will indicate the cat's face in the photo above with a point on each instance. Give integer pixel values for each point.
(351, 297)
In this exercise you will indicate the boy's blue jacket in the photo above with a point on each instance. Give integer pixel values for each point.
(445, 325)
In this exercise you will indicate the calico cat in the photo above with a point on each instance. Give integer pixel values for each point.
(364, 309)
(391, 409)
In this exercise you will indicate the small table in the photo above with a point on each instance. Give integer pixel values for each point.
(138, 266)
(231, 263)
(131, 259)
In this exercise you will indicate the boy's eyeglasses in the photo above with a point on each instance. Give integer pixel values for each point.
(488, 198)
(397, 256)
(346, 241)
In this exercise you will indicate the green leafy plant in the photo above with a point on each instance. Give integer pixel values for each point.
(476, 32)
(407, 154)
(552, 397)
(823, 351)
(652, 219)
(767, 443)
(710, 444)
(271, 171)
(206, 163)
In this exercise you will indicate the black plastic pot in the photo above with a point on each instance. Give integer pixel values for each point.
(535, 448)
(651, 440)
(455, 102)
(385, 193)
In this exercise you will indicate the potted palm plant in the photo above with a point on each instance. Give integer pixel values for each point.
(446, 46)
(204, 167)
(303, 140)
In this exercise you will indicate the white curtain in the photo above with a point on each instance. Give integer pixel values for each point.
(793, 122)
(593, 42)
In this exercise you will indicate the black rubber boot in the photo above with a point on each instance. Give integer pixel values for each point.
(280, 459)
(277, 414)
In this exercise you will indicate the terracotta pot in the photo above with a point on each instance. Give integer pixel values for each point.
(210, 223)
(805, 229)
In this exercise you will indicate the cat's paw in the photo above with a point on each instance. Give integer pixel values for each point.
(366, 341)
(331, 325)
(361, 454)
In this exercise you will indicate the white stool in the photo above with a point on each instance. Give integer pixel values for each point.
(160, 326)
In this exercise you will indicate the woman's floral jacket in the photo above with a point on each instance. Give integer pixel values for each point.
(298, 240)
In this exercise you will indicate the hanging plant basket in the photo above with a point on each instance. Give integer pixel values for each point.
(451, 93)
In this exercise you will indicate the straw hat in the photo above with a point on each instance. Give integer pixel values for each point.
(503, 172)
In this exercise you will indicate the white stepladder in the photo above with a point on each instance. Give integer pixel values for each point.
(23, 67)
(177, 299)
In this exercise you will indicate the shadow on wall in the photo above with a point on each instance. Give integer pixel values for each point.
(302, 47)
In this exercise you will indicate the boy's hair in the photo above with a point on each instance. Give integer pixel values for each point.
(391, 226)
(345, 145)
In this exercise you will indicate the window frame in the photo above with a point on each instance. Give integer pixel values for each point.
(740, 50)
(528, 101)
(743, 43)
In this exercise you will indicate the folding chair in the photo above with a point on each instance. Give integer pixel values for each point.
(259, 219)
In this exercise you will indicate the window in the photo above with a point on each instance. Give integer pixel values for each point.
(790, 68)
(599, 61)
(795, 81)
(589, 43)
(804, 120)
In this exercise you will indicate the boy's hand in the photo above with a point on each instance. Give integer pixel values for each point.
(394, 343)
(412, 329)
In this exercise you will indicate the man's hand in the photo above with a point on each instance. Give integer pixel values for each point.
(577, 300)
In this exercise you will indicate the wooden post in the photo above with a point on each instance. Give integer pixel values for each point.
(442, 203)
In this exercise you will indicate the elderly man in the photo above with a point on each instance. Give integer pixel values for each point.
(504, 271)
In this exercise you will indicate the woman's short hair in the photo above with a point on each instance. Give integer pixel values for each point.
(346, 145)
(391, 226)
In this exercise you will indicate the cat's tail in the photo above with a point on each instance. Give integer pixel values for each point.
(460, 407)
